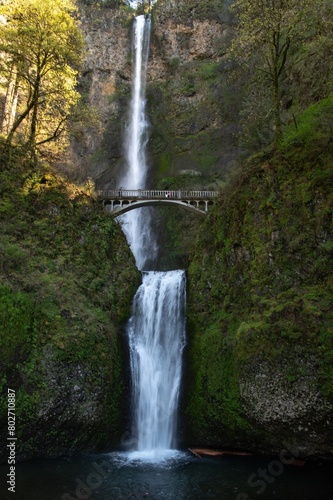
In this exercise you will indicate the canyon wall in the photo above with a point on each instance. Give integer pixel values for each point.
(191, 104)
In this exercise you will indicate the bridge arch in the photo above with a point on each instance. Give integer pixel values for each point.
(117, 209)
(120, 201)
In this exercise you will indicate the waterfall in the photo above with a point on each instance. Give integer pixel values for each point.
(137, 133)
(157, 335)
(156, 329)
(137, 224)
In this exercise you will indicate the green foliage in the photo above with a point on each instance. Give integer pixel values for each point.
(267, 36)
(208, 70)
(260, 279)
(174, 62)
(67, 281)
(17, 325)
(42, 48)
(312, 126)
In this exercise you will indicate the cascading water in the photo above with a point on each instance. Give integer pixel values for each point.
(137, 135)
(137, 224)
(157, 336)
(157, 327)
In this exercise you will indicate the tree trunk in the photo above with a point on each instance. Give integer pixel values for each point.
(33, 124)
(31, 105)
(11, 99)
(277, 112)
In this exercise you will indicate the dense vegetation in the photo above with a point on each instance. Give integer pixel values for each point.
(67, 279)
(41, 48)
(260, 299)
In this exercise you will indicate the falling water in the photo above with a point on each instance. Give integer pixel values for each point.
(137, 130)
(137, 224)
(157, 327)
(157, 334)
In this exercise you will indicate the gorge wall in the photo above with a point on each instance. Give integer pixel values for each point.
(192, 107)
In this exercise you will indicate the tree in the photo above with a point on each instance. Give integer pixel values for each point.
(271, 30)
(41, 48)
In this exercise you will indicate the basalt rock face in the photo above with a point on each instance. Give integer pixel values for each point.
(105, 85)
(191, 105)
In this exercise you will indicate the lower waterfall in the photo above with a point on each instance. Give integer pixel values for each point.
(157, 336)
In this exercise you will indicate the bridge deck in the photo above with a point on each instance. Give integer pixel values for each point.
(120, 201)
(150, 194)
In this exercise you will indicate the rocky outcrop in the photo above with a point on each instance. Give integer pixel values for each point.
(105, 82)
(194, 123)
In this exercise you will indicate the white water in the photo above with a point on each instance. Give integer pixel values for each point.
(157, 336)
(137, 130)
(137, 224)
(157, 327)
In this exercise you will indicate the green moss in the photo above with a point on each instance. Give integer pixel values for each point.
(17, 325)
(311, 125)
(260, 279)
(208, 70)
(66, 286)
(214, 403)
(164, 164)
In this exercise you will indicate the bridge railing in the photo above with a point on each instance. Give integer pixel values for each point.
(157, 194)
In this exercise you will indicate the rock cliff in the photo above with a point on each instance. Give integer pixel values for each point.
(192, 107)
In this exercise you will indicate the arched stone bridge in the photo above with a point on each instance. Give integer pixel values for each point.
(120, 201)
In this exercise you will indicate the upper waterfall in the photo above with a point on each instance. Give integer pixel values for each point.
(137, 225)
(137, 129)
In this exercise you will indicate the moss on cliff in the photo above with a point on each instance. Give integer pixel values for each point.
(260, 300)
(186, 113)
(67, 280)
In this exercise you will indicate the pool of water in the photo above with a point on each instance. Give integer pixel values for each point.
(175, 476)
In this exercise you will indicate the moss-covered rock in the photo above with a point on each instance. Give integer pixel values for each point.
(67, 280)
(260, 301)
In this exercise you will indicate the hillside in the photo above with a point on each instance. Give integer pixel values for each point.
(260, 301)
(67, 280)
